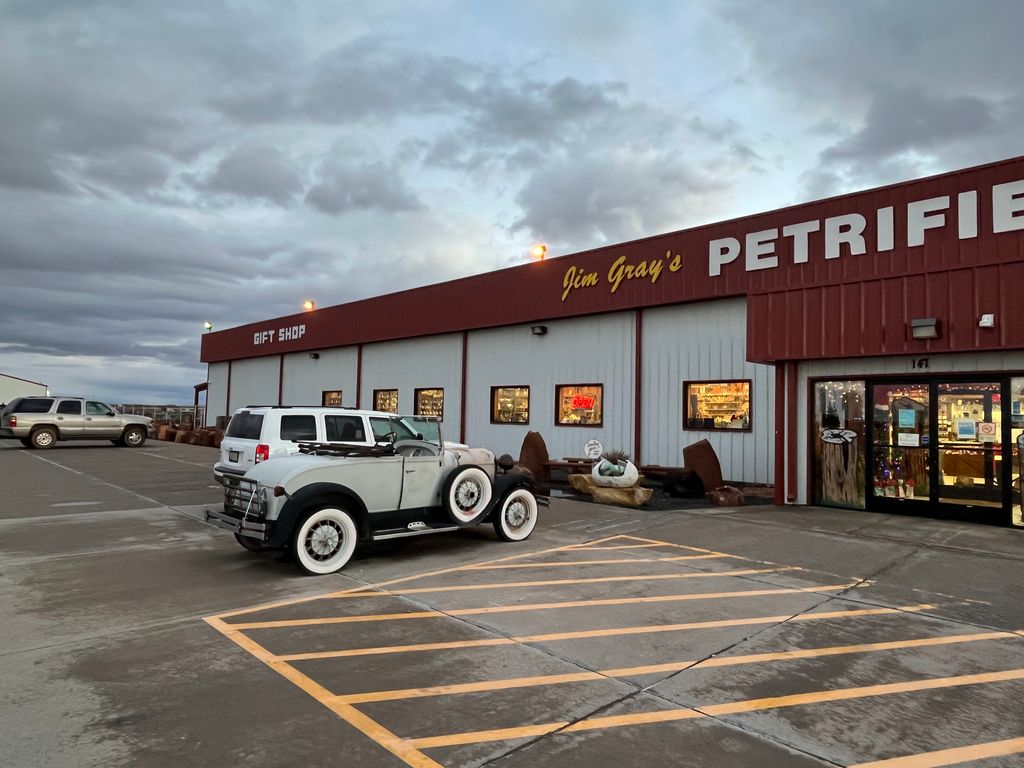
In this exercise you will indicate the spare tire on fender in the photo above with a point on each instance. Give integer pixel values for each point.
(466, 495)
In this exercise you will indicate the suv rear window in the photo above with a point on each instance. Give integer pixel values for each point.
(245, 425)
(32, 405)
(298, 427)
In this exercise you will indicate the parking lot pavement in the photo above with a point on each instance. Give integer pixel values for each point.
(134, 634)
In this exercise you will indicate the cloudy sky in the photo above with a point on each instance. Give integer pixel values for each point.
(166, 164)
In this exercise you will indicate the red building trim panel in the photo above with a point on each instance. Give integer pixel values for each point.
(836, 262)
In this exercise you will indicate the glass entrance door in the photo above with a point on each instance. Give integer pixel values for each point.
(970, 444)
(901, 460)
(948, 447)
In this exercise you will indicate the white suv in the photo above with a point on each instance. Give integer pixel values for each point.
(260, 432)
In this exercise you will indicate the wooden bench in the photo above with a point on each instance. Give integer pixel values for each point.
(570, 465)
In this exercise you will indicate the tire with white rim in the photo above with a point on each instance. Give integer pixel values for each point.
(467, 495)
(517, 516)
(323, 542)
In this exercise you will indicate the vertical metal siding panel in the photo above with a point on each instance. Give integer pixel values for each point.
(217, 393)
(986, 300)
(937, 290)
(850, 318)
(254, 382)
(1010, 314)
(915, 296)
(871, 311)
(306, 379)
(831, 326)
(813, 322)
(958, 309)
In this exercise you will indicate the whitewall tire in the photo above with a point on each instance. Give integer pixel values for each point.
(517, 516)
(324, 541)
(467, 495)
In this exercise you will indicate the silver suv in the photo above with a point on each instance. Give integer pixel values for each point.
(39, 422)
(260, 432)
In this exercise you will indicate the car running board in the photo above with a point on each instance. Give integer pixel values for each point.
(418, 530)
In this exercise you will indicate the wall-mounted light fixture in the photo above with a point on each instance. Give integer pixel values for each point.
(924, 328)
(539, 251)
(538, 330)
(314, 355)
(988, 320)
(309, 305)
(208, 326)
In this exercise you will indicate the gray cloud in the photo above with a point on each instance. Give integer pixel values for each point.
(256, 172)
(361, 187)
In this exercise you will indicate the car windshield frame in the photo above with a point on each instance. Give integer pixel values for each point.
(426, 428)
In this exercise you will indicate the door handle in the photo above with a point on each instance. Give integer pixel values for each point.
(60, 418)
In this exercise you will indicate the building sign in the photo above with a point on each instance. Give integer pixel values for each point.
(288, 333)
(839, 235)
(583, 401)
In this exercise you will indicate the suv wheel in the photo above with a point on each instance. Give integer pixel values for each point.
(134, 437)
(43, 438)
(324, 541)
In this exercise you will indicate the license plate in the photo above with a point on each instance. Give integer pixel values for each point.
(233, 456)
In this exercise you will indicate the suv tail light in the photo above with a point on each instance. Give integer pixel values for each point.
(12, 421)
(262, 453)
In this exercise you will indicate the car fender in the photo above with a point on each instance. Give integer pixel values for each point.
(507, 482)
(315, 494)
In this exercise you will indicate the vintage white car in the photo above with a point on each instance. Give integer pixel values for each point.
(320, 503)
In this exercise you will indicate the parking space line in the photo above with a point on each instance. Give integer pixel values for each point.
(675, 666)
(622, 546)
(609, 561)
(596, 633)
(557, 582)
(715, 710)
(401, 748)
(378, 589)
(956, 756)
(284, 623)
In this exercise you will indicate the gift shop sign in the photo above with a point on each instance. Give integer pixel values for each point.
(287, 333)
(839, 236)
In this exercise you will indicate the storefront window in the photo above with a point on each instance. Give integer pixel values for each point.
(429, 402)
(716, 405)
(385, 400)
(579, 405)
(331, 398)
(510, 405)
(1017, 450)
(839, 443)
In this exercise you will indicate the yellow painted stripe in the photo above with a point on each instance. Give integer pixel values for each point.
(622, 546)
(609, 561)
(362, 588)
(675, 666)
(400, 748)
(715, 710)
(557, 582)
(956, 756)
(594, 633)
(282, 623)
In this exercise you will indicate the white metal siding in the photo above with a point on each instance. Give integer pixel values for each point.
(424, 363)
(592, 350)
(11, 388)
(306, 379)
(217, 393)
(254, 382)
(704, 342)
(1006, 362)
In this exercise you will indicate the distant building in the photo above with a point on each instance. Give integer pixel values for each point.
(12, 387)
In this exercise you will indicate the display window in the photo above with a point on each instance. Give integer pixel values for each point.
(510, 405)
(1017, 451)
(385, 400)
(839, 446)
(429, 402)
(578, 405)
(716, 405)
(331, 398)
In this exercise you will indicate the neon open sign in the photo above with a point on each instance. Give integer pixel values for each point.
(583, 401)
